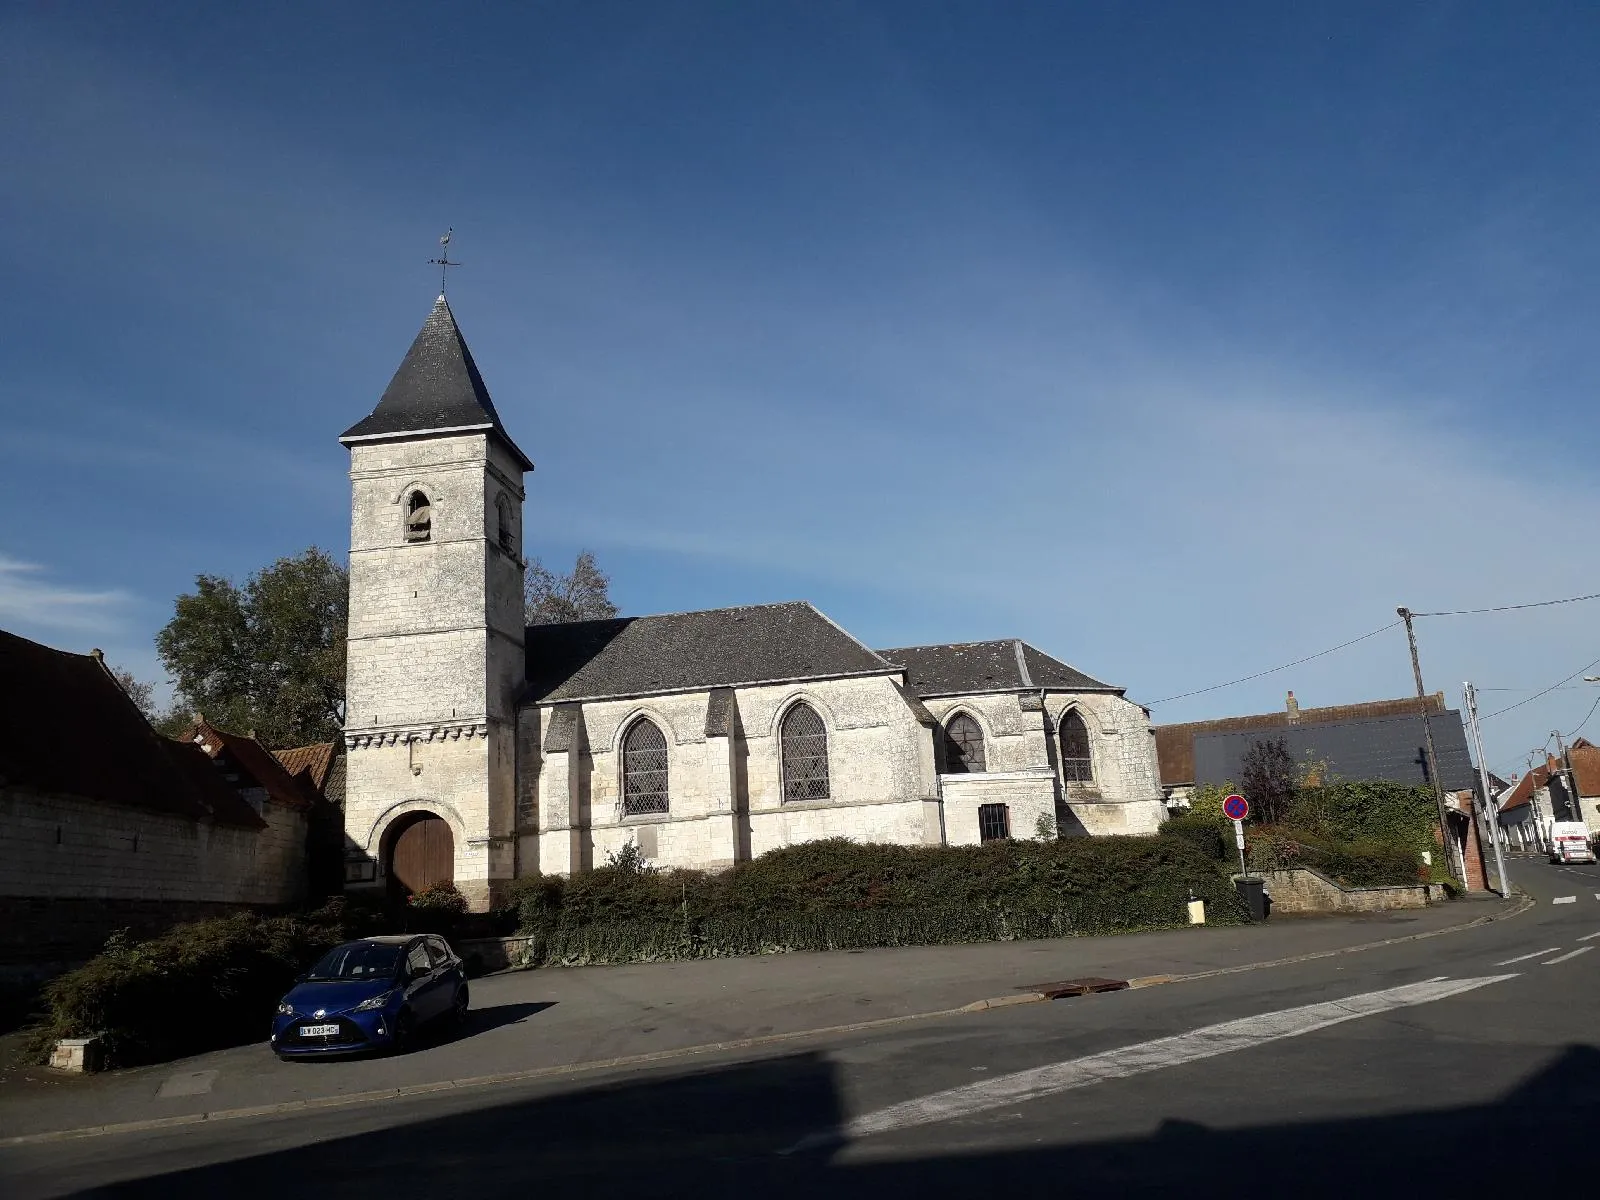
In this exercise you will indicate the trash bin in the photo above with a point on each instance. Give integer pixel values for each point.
(1253, 891)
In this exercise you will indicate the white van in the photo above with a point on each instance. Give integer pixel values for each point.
(1569, 843)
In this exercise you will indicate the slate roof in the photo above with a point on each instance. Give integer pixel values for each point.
(693, 651)
(1175, 743)
(68, 729)
(1392, 748)
(437, 388)
(1009, 665)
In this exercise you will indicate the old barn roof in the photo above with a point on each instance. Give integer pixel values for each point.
(68, 729)
(693, 651)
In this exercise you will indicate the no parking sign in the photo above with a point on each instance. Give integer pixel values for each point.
(1236, 807)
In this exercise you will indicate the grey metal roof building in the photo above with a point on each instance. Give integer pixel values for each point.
(1388, 747)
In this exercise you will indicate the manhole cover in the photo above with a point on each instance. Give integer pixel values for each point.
(1074, 987)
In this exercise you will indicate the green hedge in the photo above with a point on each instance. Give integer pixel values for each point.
(196, 987)
(837, 894)
(1365, 863)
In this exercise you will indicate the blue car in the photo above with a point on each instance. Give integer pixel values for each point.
(374, 994)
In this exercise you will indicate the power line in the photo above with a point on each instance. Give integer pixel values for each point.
(1545, 692)
(1274, 670)
(1585, 720)
(1468, 612)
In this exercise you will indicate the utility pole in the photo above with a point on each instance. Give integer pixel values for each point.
(1490, 805)
(1433, 757)
(1575, 811)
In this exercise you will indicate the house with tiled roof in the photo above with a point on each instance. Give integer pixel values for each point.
(105, 824)
(479, 749)
(1545, 795)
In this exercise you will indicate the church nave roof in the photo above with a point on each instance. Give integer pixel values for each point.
(1008, 665)
(692, 651)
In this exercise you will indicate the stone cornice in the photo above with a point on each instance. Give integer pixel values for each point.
(392, 735)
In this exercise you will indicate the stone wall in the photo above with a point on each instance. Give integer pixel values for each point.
(56, 847)
(1302, 890)
(726, 790)
(73, 871)
(1125, 795)
(1029, 797)
(436, 651)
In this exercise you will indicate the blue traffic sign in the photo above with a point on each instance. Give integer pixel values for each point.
(1236, 807)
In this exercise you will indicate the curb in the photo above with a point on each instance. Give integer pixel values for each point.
(535, 1074)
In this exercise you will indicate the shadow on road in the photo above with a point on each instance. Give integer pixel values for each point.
(482, 1020)
(718, 1133)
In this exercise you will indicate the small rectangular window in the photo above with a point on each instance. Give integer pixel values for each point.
(994, 822)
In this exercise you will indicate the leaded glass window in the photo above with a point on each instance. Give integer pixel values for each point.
(963, 746)
(804, 741)
(644, 770)
(1077, 763)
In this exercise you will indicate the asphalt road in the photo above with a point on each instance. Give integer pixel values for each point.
(1460, 1062)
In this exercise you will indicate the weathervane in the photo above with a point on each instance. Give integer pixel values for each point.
(443, 261)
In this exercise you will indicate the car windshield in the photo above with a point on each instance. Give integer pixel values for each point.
(358, 960)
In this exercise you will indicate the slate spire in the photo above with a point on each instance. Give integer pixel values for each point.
(436, 390)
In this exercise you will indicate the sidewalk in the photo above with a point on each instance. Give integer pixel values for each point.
(559, 1017)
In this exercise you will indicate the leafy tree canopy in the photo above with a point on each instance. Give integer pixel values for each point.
(1268, 778)
(581, 595)
(267, 655)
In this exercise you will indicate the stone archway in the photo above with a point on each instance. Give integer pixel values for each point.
(419, 850)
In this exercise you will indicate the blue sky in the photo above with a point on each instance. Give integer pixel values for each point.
(1182, 340)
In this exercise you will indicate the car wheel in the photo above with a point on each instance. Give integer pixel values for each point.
(458, 1006)
(405, 1031)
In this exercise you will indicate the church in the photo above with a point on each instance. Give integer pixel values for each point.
(480, 749)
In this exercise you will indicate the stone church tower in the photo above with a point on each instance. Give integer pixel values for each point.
(436, 630)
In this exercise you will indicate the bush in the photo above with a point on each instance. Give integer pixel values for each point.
(196, 987)
(1207, 834)
(840, 894)
(1364, 863)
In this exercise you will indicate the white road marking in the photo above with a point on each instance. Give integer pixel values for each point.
(1567, 955)
(1589, 937)
(1526, 957)
(1003, 1091)
(1565, 900)
(193, 1083)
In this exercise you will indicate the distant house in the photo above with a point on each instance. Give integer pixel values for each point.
(1379, 739)
(1542, 796)
(105, 824)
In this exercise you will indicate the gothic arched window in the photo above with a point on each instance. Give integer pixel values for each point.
(963, 746)
(1077, 763)
(507, 538)
(804, 742)
(419, 517)
(644, 769)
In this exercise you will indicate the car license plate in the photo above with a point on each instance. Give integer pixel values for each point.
(318, 1030)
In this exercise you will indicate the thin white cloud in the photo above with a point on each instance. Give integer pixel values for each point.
(29, 600)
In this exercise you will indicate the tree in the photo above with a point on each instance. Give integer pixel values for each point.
(141, 693)
(268, 655)
(1267, 777)
(582, 595)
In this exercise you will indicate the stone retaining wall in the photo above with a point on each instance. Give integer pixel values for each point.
(1303, 890)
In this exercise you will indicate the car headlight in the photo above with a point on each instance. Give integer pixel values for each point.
(374, 1004)
(285, 1009)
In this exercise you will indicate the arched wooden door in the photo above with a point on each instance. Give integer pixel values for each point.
(422, 853)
